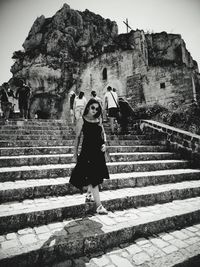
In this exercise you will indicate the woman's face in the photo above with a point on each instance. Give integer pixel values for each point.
(93, 109)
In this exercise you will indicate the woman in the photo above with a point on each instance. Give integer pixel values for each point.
(91, 168)
(79, 105)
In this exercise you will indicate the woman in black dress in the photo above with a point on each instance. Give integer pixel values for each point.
(90, 169)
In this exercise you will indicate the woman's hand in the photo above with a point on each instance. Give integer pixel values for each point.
(103, 148)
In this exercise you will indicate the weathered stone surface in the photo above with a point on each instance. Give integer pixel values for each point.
(185, 143)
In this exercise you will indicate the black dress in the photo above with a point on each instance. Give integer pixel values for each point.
(91, 165)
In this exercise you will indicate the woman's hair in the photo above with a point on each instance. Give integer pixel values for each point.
(90, 102)
(81, 94)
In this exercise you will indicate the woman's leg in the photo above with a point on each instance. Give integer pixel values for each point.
(95, 192)
(72, 116)
(96, 196)
(112, 124)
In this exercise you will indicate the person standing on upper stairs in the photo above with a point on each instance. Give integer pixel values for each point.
(7, 96)
(72, 96)
(111, 104)
(94, 96)
(23, 94)
(79, 105)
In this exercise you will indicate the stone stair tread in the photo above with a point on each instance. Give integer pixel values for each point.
(153, 173)
(71, 165)
(7, 151)
(146, 161)
(140, 153)
(61, 146)
(21, 184)
(36, 156)
(32, 147)
(41, 204)
(132, 179)
(106, 230)
(35, 147)
(71, 155)
(67, 142)
(138, 146)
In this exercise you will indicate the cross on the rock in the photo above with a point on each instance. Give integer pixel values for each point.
(127, 25)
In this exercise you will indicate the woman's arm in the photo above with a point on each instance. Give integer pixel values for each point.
(104, 134)
(103, 147)
(79, 126)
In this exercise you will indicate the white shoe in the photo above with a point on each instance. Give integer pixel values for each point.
(101, 210)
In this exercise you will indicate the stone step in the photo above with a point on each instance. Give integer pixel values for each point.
(68, 239)
(13, 151)
(6, 133)
(33, 121)
(9, 161)
(116, 141)
(36, 127)
(22, 127)
(43, 122)
(64, 170)
(29, 189)
(134, 156)
(172, 248)
(29, 213)
(51, 132)
(59, 137)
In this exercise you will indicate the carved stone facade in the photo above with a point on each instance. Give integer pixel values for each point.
(83, 51)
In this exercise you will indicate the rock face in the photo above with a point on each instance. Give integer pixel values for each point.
(83, 51)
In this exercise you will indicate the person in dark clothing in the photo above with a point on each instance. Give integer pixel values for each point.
(71, 104)
(6, 105)
(90, 169)
(125, 114)
(23, 94)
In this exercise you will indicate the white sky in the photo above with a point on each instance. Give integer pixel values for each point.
(173, 16)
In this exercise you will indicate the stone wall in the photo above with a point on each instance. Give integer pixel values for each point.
(183, 142)
(128, 74)
(117, 66)
(168, 85)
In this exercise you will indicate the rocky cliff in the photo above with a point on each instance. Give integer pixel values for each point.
(56, 47)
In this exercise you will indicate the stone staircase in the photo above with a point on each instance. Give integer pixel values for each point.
(45, 222)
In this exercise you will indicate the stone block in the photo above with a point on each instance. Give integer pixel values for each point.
(141, 258)
(169, 249)
(9, 244)
(11, 236)
(133, 249)
(28, 239)
(120, 261)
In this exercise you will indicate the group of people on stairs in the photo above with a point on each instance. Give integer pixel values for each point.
(8, 100)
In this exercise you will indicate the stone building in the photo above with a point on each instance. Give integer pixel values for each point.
(84, 52)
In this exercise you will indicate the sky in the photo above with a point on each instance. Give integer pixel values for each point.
(173, 16)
